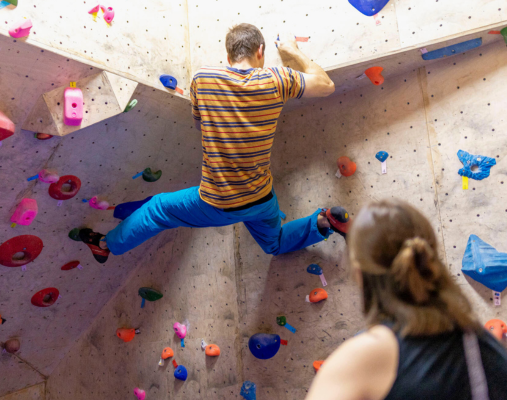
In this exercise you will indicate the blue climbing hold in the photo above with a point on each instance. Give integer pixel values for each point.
(382, 156)
(369, 7)
(483, 263)
(314, 269)
(248, 391)
(181, 373)
(264, 345)
(124, 210)
(169, 81)
(452, 50)
(482, 165)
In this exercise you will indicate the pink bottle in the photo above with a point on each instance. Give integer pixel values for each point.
(180, 329)
(98, 204)
(48, 176)
(21, 29)
(140, 393)
(26, 212)
(73, 106)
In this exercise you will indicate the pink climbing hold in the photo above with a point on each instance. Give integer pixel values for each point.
(7, 127)
(140, 393)
(25, 213)
(180, 329)
(98, 204)
(21, 29)
(109, 14)
(94, 10)
(73, 106)
(48, 176)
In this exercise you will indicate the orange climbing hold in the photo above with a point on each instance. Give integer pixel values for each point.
(317, 295)
(346, 166)
(317, 365)
(212, 350)
(375, 75)
(167, 353)
(497, 328)
(125, 334)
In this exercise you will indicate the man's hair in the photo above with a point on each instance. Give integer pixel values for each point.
(243, 41)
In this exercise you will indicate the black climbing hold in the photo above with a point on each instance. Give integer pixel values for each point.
(150, 294)
(150, 176)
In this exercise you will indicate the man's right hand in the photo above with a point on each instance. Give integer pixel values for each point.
(286, 43)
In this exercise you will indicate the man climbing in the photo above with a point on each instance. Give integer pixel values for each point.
(236, 109)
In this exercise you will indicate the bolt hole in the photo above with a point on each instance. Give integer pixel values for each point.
(74, 105)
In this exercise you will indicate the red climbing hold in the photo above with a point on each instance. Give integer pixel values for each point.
(45, 297)
(66, 187)
(346, 166)
(497, 328)
(42, 136)
(212, 350)
(375, 75)
(317, 365)
(126, 334)
(6, 127)
(317, 295)
(20, 250)
(70, 265)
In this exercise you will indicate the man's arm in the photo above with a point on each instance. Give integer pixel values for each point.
(317, 82)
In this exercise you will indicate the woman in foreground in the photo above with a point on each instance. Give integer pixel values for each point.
(423, 341)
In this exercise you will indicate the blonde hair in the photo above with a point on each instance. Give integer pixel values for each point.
(404, 281)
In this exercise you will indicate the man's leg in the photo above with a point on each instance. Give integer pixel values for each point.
(276, 239)
(163, 211)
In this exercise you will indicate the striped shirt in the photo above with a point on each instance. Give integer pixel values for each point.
(238, 110)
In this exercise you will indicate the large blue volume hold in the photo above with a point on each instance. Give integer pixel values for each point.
(169, 81)
(248, 391)
(264, 345)
(123, 210)
(181, 373)
(483, 263)
(483, 165)
(369, 7)
(452, 50)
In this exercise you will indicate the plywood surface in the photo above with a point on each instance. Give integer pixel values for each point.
(16, 375)
(36, 392)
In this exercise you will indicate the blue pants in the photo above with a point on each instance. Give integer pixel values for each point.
(185, 208)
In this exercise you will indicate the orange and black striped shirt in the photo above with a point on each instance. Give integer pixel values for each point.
(238, 110)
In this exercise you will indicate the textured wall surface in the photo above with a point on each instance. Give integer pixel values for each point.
(36, 392)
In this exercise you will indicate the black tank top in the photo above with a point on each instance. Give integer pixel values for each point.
(434, 368)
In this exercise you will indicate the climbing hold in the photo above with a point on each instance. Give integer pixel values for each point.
(13, 2)
(21, 28)
(42, 136)
(48, 176)
(497, 328)
(346, 167)
(382, 156)
(94, 10)
(264, 345)
(317, 295)
(126, 334)
(314, 269)
(108, 14)
(339, 219)
(2, 320)
(66, 187)
(140, 393)
(166, 353)
(483, 263)
(169, 81)
(475, 167)
(149, 294)
(98, 204)
(452, 50)
(375, 75)
(248, 390)
(180, 329)
(20, 250)
(130, 105)
(369, 7)
(74, 234)
(12, 346)
(150, 176)
(317, 365)
(45, 297)
(7, 127)
(73, 106)
(25, 213)
(212, 350)
(503, 32)
(282, 320)
(181, 373)
(124, 210)
(70, 265)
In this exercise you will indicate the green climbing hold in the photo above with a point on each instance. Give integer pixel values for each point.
(282, 320)
(150, 294)
(503, 32)
(74, 234)
(130, 106)
(13, 2)
(150, 176)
